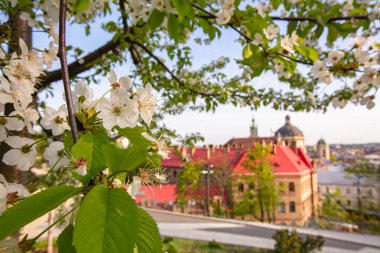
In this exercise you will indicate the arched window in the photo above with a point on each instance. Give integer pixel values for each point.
(292, 187)
(292, 207)
(241, 187)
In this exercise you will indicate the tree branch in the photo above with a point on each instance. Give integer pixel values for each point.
(65, 71)
(315, 20)
(175, 77)
(79, 66)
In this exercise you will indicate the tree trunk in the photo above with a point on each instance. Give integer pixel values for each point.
(20, 29)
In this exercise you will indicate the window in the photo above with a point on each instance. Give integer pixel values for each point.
(291, 187)
(282, 188)
(241, 187)
(251, 186)
(281, 207)
(348, 202)
(327, 190)
(292, 207)
(370, 192)
(359, 203)
(348, 191)
(359, 191)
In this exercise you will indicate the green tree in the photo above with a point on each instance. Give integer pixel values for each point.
(188, 183)
(332, 209)
(291, 242)
(261, 198)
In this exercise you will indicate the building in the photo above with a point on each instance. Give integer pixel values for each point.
(293, 170)
(354, 192)
(322, 150)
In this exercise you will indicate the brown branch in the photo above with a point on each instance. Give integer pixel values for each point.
(315, 20)
(175, 77)
(81, 65)
(65, 70)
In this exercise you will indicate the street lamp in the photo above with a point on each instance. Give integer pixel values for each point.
(207, 172)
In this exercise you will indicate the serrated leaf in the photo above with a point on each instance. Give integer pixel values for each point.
(81, 5)
(34, 207)
(308, 52)
(134, 136)
(173, 27)
(183, 8)
(106, 222)
(148, 236)
(124, 159)
(65, 240)
(156, 19)
(89, 147)
(332, 35)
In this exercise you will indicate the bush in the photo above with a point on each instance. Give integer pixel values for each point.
(214, 245)
(291, 242)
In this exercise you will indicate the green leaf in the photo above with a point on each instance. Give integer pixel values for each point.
(81, 5)
(332, 35)
(156, 19)
(247, 52)
(173, 27)
(34, 207)
(106, 222)
(89, 147)
(148, 237)
(65, 240)
(308, 52)
(183, 8)
(124, 159)
(134, 136)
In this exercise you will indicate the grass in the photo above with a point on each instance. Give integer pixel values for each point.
(174, 245)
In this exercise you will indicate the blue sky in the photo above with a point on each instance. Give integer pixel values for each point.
(353, 124)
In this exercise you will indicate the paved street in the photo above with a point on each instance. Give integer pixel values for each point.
(254, 234)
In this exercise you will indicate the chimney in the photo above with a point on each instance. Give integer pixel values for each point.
(192, 151)
(209, 152)
(212, 147)
(274, 149)
(183, 152)
(227, 148)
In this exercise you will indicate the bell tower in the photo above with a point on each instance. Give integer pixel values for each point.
(253, 129)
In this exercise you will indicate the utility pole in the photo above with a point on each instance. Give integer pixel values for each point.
(207, 173)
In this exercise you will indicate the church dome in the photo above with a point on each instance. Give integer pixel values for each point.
(288, 130)
(321, 142)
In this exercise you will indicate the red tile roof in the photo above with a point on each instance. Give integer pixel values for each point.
(163, 194)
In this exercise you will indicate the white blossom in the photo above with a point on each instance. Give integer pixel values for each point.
(29, 116)
(222, 17)
(49, 56)
(55, 155)
(134, 187)
(9, 123)
(83, 96)
(119, 111)
(55, 120)
(335, 56)
(160, 145)
(147, 102)
(271, 31)
(22, 153)
(229, 5)
(125, 82)
(258, 39)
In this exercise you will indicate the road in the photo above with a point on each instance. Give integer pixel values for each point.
(254, 234)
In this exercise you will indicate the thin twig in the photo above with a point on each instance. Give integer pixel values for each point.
(65, 71)
(175, 77)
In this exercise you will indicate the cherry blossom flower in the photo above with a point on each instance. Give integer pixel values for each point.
(229, 5)
(223, 17)
(124, 82)
(119, 111)
(29, 116)
(135, 186)
(9, 123)
(335, 56)
(146, 103)
(258, 39)
(320, 71)
(54, 120)
(160, 145)
(81, 166)
(271, 31)
(55, 155)
(22, 153)
(83, 96)
(49, 56)
(8, 95)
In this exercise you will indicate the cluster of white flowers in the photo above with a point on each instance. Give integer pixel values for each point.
(263, 9)
(224, 15)
(320, 71)
(279, 67)
(271, 31)
(18, 84)
(288, 42)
